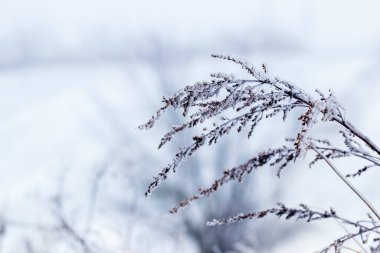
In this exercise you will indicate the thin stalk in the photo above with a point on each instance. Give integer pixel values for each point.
(359, 134)
(344, 179)
(346, 124)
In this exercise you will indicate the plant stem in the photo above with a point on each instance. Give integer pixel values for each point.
(346, 124)
(359, 134)
(344, 179)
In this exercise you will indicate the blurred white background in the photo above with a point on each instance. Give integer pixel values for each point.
(78, 77)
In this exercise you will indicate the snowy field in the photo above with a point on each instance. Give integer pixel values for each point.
(78, 77)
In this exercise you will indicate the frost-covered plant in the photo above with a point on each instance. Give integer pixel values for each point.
(251, 101)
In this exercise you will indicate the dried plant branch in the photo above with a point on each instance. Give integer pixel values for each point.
(283, 154)
(303, 212)
(344, 179)
(251, 101)
(65, 227)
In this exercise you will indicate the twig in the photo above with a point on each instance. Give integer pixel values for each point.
(359, 134)
(344, 179)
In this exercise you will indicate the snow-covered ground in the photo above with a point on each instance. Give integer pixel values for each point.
(78, 77)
